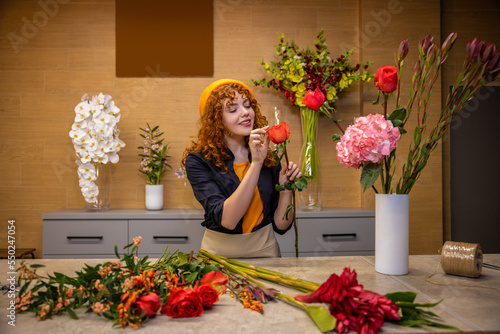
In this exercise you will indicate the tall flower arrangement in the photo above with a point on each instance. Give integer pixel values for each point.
(95, 137)
(311, 80)
(375, 151)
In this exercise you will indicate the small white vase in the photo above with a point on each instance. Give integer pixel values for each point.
(154, 196)
(392, 230)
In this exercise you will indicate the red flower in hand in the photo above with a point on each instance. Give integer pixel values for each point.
(183, 303)
(386, 79)
(149, 303)
(314, 99)
(279, 133)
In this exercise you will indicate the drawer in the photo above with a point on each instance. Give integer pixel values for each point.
(287, 242)
(335, 236)
(184, 235)
(85, 237)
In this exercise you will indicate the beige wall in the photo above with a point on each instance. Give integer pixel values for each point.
(71, 52)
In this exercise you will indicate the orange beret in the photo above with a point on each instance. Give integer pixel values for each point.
(214, 85)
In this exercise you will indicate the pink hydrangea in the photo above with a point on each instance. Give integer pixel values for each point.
(369, 139)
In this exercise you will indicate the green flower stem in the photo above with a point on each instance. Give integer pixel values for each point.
(247, 271)
(295, 227)
(271, 272)
(310, 157)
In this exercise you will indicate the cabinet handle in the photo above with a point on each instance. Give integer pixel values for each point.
(84, 237)
(339, 235)
(169, 237)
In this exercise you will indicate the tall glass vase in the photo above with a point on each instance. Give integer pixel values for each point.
(101, 195)
(310, 199)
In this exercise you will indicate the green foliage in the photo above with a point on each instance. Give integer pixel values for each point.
(412, 314)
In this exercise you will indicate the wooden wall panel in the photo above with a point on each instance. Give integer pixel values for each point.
(43, 78)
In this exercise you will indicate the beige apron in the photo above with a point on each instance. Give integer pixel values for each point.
(261, 243)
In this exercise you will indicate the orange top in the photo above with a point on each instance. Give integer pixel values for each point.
(255, 211)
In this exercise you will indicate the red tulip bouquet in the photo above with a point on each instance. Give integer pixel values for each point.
(279, 135)
(370, 142)
(311, 80)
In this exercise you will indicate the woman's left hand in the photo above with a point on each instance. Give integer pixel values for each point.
(290, 172)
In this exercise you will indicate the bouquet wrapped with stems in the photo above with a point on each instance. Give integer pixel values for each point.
(131, 290)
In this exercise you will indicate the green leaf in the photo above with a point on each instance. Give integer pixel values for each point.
(72, 314)
(301, 183)
(116, 251)
(336, 137)
(398, 116)
(402, 296)
(415, 305)
(322, 317)
(182, 259)
(369, 175)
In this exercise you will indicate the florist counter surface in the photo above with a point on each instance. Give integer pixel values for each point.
(471, 309)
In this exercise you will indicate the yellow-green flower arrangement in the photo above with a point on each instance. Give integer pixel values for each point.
(311, 71)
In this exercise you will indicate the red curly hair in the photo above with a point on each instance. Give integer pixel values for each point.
(211, 136)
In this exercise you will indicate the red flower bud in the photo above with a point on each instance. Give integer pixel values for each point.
(403, 49)
(448, 43)
(279, 133)
(431, 55)
(488, 52)
(386, 79)
(314, 99)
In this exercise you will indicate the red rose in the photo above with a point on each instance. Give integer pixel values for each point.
(314, 100)
(279, 133)
(183, 303)
(149, 303)
(386, 79)
(208, 294)
(216, 279)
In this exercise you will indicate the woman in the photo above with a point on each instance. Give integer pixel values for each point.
(233, 174)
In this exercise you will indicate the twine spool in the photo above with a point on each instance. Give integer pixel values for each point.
(461, 258)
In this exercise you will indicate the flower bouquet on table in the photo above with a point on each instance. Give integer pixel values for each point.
(154, 155)
(95, 137)
(127, 291)
(311, 80)
(349, 306)
(131, 290)
(370, 143)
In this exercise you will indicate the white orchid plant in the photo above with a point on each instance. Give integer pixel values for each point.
(95, 137)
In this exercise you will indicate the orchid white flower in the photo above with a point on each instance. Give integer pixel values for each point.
(94, 134)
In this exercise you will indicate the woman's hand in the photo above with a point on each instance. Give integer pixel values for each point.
(290, 172)
(259, 144)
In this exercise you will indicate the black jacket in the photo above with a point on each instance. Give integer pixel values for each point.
(211, 187)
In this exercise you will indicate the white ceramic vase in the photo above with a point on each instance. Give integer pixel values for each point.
(154, 196)
(392, 226)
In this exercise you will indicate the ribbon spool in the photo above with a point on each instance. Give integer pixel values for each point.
(461, 258)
